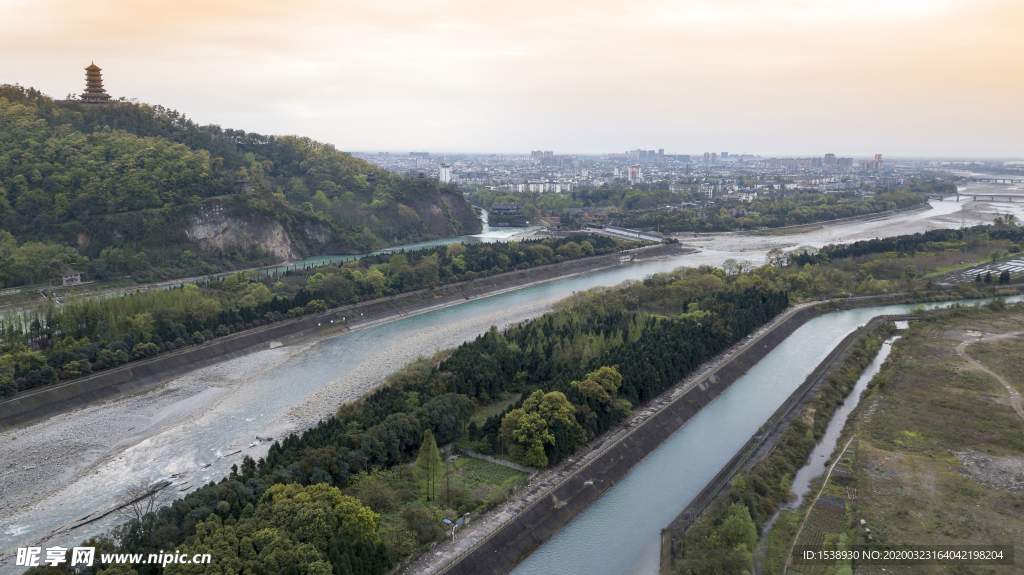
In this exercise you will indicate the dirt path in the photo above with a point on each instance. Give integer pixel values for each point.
(1015, 400)
(811, 507)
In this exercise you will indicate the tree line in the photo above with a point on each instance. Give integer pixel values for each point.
(644, 209)
(54, 342)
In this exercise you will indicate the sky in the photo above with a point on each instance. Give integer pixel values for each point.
(770, 77)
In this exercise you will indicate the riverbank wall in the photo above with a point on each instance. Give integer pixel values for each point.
(764, 441)
(139, 376)
(512, 542)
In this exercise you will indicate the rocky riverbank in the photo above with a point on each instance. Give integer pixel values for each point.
(371, 373)
(97, 448)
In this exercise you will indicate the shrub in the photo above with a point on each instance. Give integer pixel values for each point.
(144, 350)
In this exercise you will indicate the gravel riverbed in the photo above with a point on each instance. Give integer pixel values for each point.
(111, 447)
(371, 373)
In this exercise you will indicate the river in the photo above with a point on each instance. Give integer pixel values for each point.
(237, 414)
(228, 414)
(620, 533)
(487, 235)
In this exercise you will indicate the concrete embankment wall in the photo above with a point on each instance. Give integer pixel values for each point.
(763, 442)
(515, 540)
(140, 375)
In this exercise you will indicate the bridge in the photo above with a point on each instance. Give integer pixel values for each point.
(999, 180)
(974, 197)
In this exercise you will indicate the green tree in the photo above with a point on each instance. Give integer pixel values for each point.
(292, 529)
(609, 378)
(738, 527)
(376, 280)
(428, 462)
(530, 426)
(532, 433)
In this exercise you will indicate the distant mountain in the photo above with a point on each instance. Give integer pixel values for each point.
(141, 189)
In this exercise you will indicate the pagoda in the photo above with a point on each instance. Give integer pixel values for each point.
(94, 93)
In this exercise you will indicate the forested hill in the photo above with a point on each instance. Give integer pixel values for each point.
(95, 187)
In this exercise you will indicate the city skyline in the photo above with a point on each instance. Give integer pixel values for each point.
(921, 79)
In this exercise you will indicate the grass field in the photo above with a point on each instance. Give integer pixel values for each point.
(940, 456)
(496, 407)
(487, 481)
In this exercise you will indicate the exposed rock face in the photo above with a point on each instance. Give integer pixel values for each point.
(463, 213)
(213, 230)
(319, 233)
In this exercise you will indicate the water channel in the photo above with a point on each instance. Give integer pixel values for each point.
(620, 533)
(816, 460)
(487, 235)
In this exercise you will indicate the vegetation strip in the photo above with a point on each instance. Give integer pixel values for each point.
(722, 538)
(137, 375)
(934, 457)
(514, 540)
(668, 211)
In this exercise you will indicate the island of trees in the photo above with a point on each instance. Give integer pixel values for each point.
(659, 209)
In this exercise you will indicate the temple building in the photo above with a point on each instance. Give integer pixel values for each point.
(94, 92)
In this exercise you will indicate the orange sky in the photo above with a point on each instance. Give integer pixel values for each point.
(908, 77)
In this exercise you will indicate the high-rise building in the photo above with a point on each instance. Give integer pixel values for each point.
(444, 173)
(661, 152)
(635, 173)
(830, 160)
(725, 154)
(876, 164)
(94, 93)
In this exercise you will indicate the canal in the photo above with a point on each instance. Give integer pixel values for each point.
(620, 533)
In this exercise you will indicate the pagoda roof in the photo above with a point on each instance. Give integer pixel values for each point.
(93, 67)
